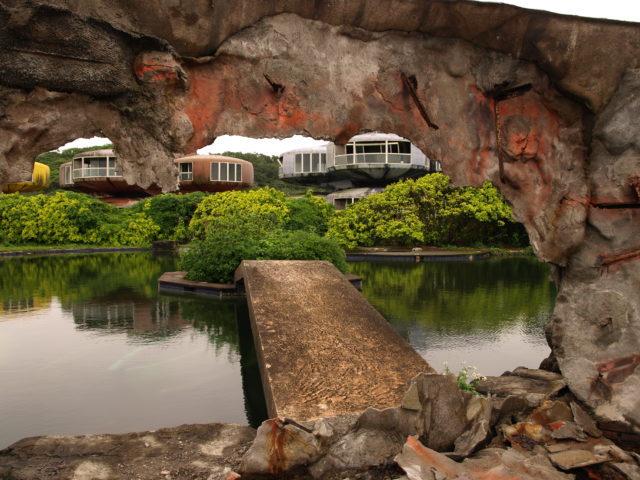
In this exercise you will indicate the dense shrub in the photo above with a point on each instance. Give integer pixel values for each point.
(388, 218)
(428, 210)
(253, 237)
(309, 213)
(300, 245)
(68, 217)
(265, 203)
(171, 212)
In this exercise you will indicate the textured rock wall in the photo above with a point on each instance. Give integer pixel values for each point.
(544, 106)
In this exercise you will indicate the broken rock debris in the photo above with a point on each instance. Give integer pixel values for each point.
(438, 432)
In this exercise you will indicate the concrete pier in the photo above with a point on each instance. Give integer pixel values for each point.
(323, 349)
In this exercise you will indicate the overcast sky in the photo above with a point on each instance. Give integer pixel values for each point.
(627, 10)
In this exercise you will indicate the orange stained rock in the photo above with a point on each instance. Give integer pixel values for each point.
(276, 452)
(205, 100)
(417, 459)
(438, 461)
(157, 67)
(556, 425)
(215, 91)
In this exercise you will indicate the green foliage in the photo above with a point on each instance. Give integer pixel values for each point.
(299, 245)
(231, 239)
(171, 212)
(55, 159)
(67, 217)
(266, 202)
(388, 218)
(73, 278)
(309, 213)
(428, 210)
(457, 298)
(466, 378)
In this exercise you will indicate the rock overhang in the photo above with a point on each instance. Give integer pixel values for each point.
(542, 105)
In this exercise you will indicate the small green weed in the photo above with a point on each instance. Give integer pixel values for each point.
(466, 378)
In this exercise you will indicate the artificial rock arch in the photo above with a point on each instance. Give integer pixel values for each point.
(545, 106)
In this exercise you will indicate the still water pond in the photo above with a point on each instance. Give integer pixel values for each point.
(489, 314)
(87, 345)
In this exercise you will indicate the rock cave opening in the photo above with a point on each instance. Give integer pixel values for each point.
(492, 98)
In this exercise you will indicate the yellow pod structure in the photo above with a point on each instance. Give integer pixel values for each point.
(40, 180)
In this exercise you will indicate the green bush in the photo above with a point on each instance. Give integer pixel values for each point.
(388, 218)
(253, 237)
(300, 245)
(309, 213)
(171, 212)
(67, 217)
(229, 240)
(428, 210)
(266, 202)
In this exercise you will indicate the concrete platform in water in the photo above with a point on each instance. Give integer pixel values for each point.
(174, 282)
(417, 255)
(323, 349)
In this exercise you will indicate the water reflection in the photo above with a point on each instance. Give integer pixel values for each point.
(80, 277)
(87, 345)
(20, 305)
(489, 313)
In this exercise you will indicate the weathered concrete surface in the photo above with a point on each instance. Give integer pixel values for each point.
(323, 349)
(209, 451)
(544, 106)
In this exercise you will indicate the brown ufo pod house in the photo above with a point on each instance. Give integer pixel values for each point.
(97, 173)
(213, 173)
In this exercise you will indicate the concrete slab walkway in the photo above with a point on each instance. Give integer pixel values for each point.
(323, 349)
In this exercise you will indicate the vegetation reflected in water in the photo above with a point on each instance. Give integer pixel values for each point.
(489, 313)
(87, 345)
(128, 347)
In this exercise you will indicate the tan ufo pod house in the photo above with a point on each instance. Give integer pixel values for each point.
(213, 173)
(97, 173)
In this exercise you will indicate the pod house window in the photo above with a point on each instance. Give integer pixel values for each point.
(95, 167)
(186, 171)
(310, 162)
(226, 172)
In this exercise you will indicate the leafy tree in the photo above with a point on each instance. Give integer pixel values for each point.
(309, 213)
(171, 212)
(428, 210)
(266, 202)
(388, 218)
(67, 217)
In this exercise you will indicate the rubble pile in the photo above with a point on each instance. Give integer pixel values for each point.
(529, 426)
